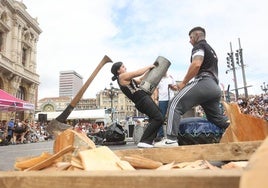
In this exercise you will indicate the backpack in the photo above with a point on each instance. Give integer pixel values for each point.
(114, 133)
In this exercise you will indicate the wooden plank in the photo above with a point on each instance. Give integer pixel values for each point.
(47, 162)
(150, 178)
(256, 173)
(212, 152)
(123, 179)
(243, 127)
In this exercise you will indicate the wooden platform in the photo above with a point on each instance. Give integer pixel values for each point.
(234, 151)
(242, 141)
(256, 173)
(147, 178)
(122, 179)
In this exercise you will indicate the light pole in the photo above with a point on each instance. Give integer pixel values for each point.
(111, 93)
(240, 62)
(231, 66)
(264, 87)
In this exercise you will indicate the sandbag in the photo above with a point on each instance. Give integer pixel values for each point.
(197, 130)
(152, 78)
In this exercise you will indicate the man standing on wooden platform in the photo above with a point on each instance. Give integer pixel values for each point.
(203, 90)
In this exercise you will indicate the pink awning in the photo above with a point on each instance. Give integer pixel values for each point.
(11, 103)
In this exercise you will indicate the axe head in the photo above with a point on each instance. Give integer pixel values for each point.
(55, 127)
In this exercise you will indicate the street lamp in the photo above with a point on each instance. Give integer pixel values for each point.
(111, 93)
(264, 87)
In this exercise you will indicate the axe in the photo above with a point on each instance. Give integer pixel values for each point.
(58, 125)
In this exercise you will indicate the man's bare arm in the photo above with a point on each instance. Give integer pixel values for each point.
(192, 71)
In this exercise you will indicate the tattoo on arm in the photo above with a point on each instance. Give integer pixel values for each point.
(198, 58)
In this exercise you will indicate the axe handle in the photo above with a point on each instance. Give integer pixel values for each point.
(64, 115)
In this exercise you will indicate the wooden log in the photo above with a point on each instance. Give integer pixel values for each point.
(123, 179)
(72, 138)
(243, 127)
(212, 152)
(256, 173)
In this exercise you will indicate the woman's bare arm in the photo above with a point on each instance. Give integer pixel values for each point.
(126, 77)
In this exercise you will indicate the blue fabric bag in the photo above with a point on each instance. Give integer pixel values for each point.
(197, 130)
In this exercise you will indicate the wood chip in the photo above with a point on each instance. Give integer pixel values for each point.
(141, 162)
(101, 158)
(50, 160)
(29, 162)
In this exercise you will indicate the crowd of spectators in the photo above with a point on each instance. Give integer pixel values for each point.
(89, 128)
(17, 131)
(256, 106)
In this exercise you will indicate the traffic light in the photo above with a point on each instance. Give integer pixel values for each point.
(237, 57)
(240, 54)
(228, 62)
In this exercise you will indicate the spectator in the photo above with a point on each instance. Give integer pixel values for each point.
(163, 93)
(19, 131)
(10, 125)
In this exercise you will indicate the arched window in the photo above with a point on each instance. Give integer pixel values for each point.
(1, 83)
(21, 93)
(3, 17)
(24, 56)
(48, 108)
(4, 29)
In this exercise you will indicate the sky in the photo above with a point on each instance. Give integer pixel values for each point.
(77, 34)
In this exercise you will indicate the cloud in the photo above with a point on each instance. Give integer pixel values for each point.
(76, 35)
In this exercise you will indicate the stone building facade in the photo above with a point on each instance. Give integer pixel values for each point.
(19, 34)
(53, 104)
(122, 106)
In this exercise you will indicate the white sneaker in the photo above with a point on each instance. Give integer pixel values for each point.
(166, 143)
(144, 145)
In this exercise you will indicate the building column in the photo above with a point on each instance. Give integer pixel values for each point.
(15, 34)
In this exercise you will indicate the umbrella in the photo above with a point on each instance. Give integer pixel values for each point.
(11, 103)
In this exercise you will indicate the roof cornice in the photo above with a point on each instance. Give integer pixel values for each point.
(18, 8)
